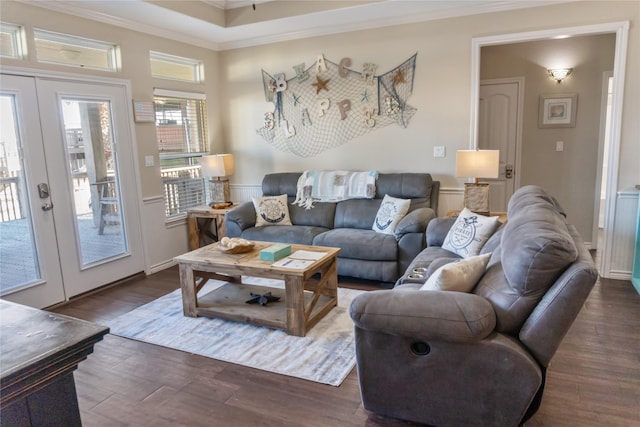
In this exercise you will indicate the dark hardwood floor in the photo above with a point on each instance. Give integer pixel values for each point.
(594, 379)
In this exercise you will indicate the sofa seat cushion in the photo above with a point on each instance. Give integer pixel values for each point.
(360, 244)
(297, 234)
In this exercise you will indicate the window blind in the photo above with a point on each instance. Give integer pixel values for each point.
(182, 140)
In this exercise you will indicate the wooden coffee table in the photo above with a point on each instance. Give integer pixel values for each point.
(309, 293)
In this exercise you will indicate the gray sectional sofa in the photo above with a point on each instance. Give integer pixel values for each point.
(348, 224)
(452, 358)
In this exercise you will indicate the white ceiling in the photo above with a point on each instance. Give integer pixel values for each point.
(154, 18)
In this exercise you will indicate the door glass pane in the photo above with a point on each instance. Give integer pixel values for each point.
(93, 169)
(18, 254)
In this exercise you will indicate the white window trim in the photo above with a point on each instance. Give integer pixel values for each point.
(19, 39)
(196, 65)
(112, 50)
(178, 94)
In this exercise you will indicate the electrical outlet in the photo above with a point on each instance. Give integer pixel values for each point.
(439, 151)
(559, 145)
(148, 161)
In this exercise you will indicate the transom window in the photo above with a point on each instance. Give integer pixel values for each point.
(65, 49)
(12, 41)
(175, 67)
(181, 133)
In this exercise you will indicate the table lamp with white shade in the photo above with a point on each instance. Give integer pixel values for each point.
(477, 164)
(219, 166)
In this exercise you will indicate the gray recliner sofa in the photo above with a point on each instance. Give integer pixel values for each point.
(347, 224)
(476, 359)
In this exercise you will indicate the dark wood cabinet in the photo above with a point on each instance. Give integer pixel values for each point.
(39, 351)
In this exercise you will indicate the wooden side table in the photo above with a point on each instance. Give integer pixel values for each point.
(198, 232)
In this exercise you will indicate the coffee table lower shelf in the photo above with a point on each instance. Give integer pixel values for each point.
(229, 302)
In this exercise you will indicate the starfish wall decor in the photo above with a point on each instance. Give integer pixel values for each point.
(328, 104)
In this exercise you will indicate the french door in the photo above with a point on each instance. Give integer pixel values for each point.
(69, 217)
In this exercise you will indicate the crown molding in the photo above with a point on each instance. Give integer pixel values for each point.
(129, 24)
(378, 15)
(388, 21)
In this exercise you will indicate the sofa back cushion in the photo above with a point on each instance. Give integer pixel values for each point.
(321, 215)
(535, 248)
(415, 186)
(274, 184)
(355, 213)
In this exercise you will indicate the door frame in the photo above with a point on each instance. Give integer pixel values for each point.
(601, 145)
(126, 84)
(519, 117)
(621, 30)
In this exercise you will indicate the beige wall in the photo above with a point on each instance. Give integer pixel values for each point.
(440, 94)
(570, 174)
(441, 91)
(236, 100)
(135, 49)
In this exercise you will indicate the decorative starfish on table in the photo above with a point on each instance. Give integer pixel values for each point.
(262, 299)
(320, 84)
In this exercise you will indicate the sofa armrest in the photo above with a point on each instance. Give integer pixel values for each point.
(240, 218)
(415, 221)
(437, 230)
(430, 315)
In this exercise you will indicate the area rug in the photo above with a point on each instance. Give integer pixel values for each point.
(325, 355)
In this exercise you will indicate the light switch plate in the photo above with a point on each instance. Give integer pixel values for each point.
(148, 161)
(439, 151)
(559, 145)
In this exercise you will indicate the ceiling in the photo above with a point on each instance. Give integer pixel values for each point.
(230, 24)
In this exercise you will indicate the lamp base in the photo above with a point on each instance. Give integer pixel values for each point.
(220, 191)
(476, 197)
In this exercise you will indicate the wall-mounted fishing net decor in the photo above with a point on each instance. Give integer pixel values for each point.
(328, 104)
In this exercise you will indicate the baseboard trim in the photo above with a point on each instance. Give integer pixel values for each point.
(620, 275)
(161, 266)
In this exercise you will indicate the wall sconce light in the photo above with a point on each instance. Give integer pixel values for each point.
(219, 166)
(559, 74)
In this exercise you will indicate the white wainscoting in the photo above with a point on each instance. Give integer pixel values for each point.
(450, 198)
(624, 231)
(162, 241)
(244, 192)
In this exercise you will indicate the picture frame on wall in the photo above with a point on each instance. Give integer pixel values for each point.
(557, 110)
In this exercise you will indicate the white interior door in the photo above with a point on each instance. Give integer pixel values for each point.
(90, 172)
(498, 129)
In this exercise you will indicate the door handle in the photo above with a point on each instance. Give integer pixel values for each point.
(508, 171)
(43, 190)
(47, 206)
